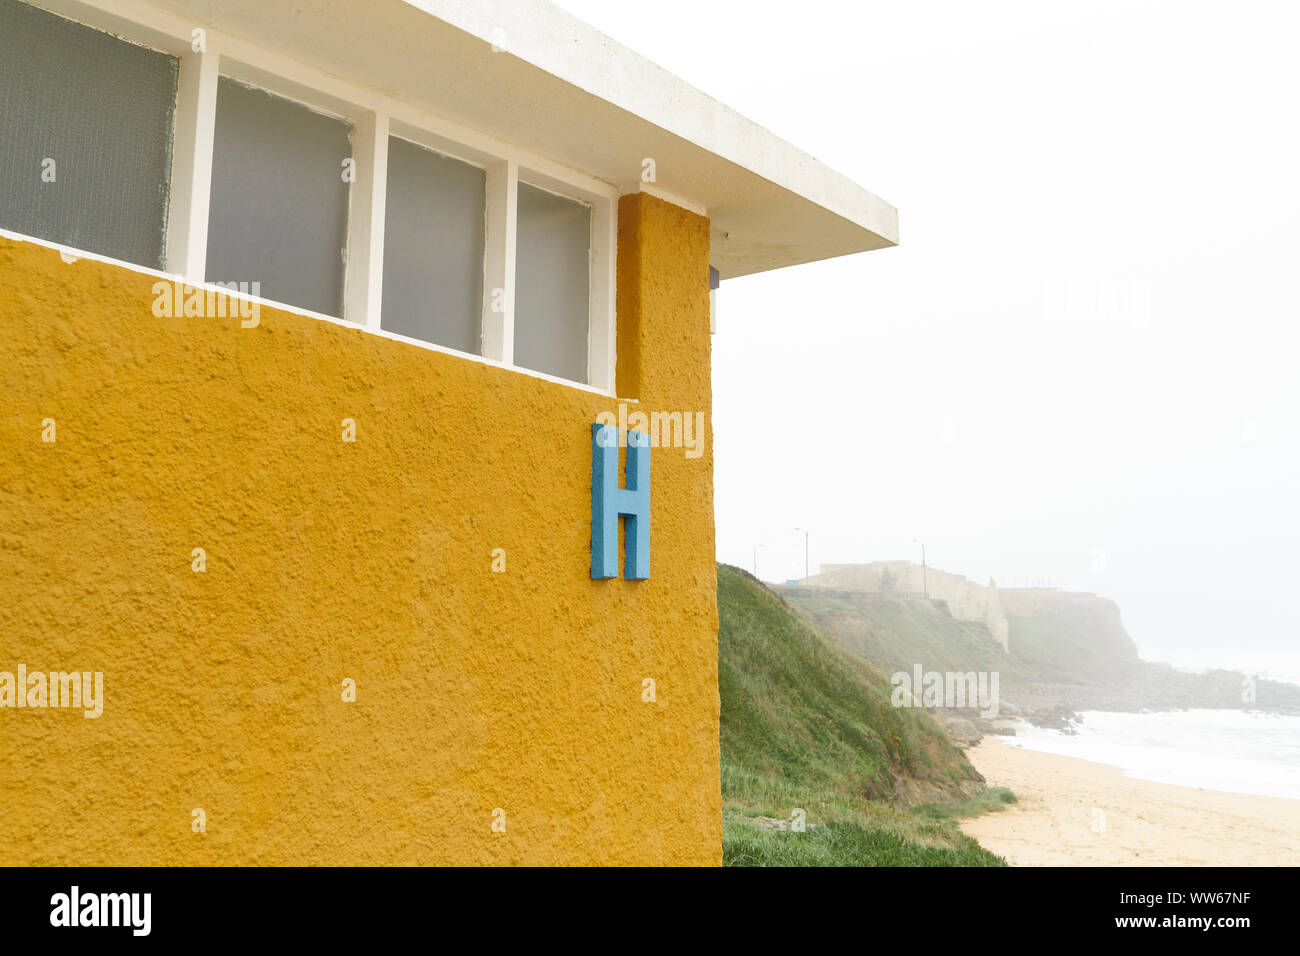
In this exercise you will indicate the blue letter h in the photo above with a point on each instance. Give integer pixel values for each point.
(608, 501)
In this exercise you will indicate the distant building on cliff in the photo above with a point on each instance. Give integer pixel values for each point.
(966, 600)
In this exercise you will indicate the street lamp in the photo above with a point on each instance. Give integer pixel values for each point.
(757, 548)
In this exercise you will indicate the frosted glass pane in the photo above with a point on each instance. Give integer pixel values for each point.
(279, 210)
(552, 297)
(433, 248)
(85, 136)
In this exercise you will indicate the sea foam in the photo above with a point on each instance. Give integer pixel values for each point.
(1231, 750)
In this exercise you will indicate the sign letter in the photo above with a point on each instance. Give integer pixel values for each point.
(608, 501)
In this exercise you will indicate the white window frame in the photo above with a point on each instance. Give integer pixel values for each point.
(600, 348)
(374, 117)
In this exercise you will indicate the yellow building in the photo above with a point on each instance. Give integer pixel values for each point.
(308, 312)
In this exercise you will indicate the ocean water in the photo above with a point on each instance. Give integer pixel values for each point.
(1232, 750)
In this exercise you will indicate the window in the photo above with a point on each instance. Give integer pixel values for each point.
(85, 136)
(301, 188)
(433, 248)
(552, 283)
(279, 208)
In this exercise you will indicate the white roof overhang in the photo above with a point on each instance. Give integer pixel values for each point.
(561, 89)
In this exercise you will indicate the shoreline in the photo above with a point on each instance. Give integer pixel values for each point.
(1074, 812)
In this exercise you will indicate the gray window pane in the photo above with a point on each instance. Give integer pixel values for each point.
(552, 297)
(85, 136)
(433, 248)
(279, 210)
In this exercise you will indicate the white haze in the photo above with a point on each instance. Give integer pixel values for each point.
(1081, 362)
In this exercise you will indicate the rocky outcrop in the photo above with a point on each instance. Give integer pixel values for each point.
(1066, 628)
(1057, 652)
(960, 730)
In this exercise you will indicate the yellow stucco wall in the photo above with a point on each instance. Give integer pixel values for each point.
(326, 560)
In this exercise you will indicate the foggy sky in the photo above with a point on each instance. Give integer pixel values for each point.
(1080, 363)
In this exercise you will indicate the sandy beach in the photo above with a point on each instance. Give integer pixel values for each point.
(1073, 812)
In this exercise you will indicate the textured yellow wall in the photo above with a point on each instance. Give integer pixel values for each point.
(326, 560)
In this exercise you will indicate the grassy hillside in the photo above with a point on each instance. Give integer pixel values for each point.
(895, 635)
(806, 725)
(1055, 637)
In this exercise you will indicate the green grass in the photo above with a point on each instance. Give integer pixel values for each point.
(807, 725)
(798, 708)
(991, 800)
(843, 844)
